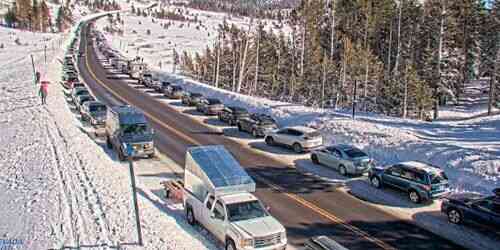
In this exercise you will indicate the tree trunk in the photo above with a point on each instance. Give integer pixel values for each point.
(440, 58)
(390, 53)
(243, 65)
(217, 67)
(398, 53)
(257, 63)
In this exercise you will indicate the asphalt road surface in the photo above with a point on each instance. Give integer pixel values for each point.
(305, 205)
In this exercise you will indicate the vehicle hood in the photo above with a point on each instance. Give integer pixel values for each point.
(464, 197)
(259, 227)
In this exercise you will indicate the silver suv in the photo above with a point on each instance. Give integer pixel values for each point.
(345, 158)
(299, 138)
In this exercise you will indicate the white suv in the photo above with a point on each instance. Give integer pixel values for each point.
(299, 138)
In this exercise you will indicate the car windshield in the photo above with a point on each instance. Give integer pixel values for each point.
(97, 108)
(196, 95)
(82, 92)
(135, 129)
(245, 211)
(313, 134)
(212, 101)
(355, 153)
(438, 177)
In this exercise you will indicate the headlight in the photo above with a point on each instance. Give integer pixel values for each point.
(148, 145)
(283, 237)
(244, 243)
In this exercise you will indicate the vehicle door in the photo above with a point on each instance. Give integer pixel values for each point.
(292, 137)
(207, 210)
(333, 158)
(392, 175)
(282, 136)
(217, 221)
(408, 178)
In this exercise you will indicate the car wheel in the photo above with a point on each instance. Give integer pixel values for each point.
(190, 216)
(314, 159)
(454, 216)
(121, 157)
(270, 141)
(230, 245)
(342, 170)
(108, 142)
(414, 196)
(254, 133)
(375, 181)
(167, 194)
(297, 148)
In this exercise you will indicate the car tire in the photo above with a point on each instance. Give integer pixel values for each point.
(230, 245)
(342, 170)
(121, 156)
(314, 159)
(151, 156)
(454, 216)
(375, 181)
(190, 216)
(269, 141)
(297, 148)
(167, 194)
(414, 196)
(108, 143)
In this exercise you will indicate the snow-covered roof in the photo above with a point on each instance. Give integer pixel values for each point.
(237, 198)
(420, 165)
(303, 129)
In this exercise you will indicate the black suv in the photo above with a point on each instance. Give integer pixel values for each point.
(191, 98)
(232, 115)
(257, 124)
(163, 87)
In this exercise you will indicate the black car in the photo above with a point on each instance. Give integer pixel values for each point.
(164, 87)
(475, 208)
(174, 92)
(191, 98)
(232, 114)
(322, 243)
(210, 106)
(257, 124)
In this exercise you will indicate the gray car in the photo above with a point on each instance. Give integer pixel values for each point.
(344, 158)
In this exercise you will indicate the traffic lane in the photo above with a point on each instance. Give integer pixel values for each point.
(369, 216)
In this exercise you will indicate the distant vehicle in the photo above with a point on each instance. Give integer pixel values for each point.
(322, 243)
(298, 138)
(344, 158)
(77, 92)
(73, 83)
(174, 92)
(81, 99)
(94, 112)
(257, 124)
(191, 98)
(419, 180)
(146, 79)
(210, 106)
(232, 115)
(474, 208)
(218, 195)
(127, 127)
(163, 87)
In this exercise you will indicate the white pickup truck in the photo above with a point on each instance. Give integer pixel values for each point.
(218, 195)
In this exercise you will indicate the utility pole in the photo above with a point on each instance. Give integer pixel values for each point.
(34, 70)
(130, 152)
(45, 53)
(354, 100)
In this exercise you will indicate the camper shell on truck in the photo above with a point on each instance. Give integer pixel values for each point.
(127, 128)
(218, 195)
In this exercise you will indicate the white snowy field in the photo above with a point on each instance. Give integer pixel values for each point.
(60, 187)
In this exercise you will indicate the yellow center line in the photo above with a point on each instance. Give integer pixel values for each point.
(292, 196)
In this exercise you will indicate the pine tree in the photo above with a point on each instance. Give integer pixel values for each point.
(45, 17)
(35, 16)
(10, 18)
(23, 13)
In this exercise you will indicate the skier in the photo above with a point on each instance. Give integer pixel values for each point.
(44, 90)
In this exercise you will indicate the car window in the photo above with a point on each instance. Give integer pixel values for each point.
(283, 131)
(337, 153)
(395, 171)
(295, 132)
(219, 211)
(355, 153)
(210, 201)
(438, 177)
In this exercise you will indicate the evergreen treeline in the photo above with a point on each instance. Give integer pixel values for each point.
(29, 14)
(402, 58)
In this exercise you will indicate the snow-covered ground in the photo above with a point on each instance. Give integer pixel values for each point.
(467, 149)
(60, 187)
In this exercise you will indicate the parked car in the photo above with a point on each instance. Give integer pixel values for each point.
(210, 106)
(322, 243)
(174, 92)
(163, 87)
(155, 84)
(419, 180)
(94, 112)
(257, 124)
(70, 84)
(472, 207)
(298, 138)
(191, 98)
(78, 91)
(81, 99)
(344, 158)
(232, 114)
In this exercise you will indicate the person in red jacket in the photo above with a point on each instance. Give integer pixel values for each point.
(44, 90)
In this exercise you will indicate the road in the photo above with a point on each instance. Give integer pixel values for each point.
(306, 205)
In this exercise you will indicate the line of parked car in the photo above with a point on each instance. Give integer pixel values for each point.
(418, 180)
